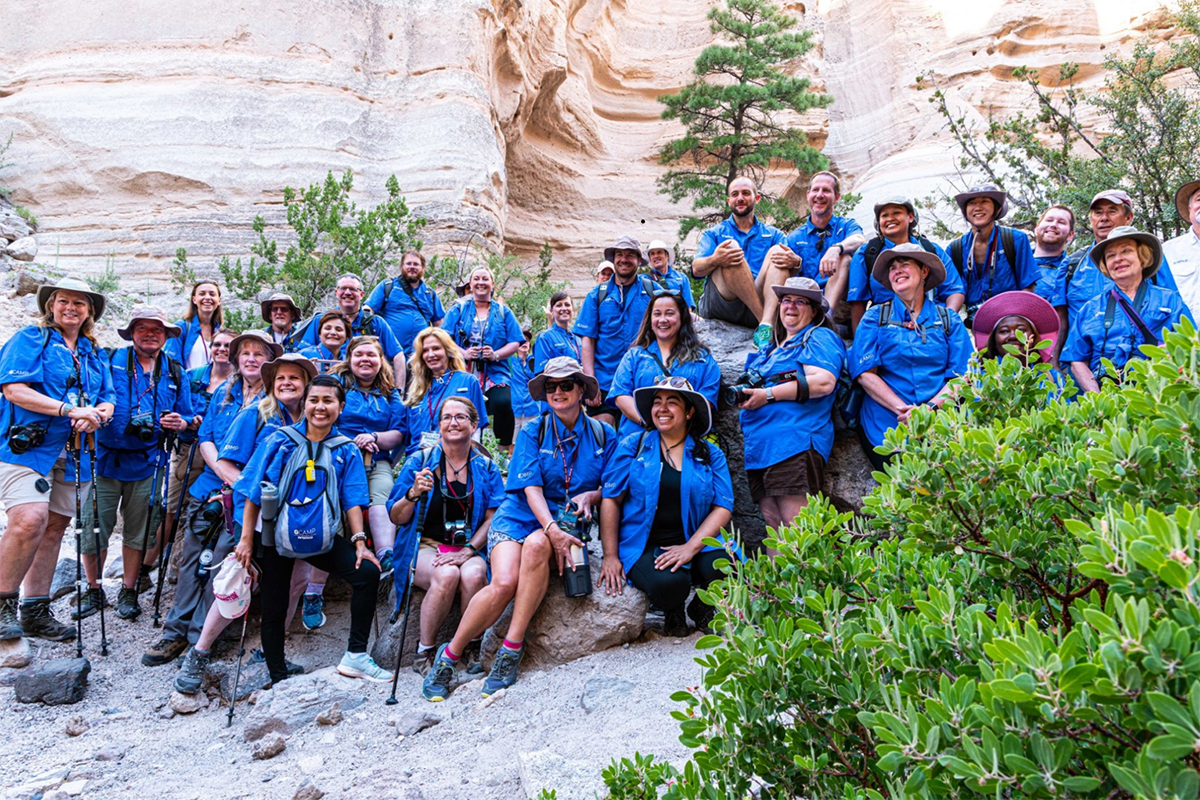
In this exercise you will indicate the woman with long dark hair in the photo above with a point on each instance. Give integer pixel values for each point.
(203, 318)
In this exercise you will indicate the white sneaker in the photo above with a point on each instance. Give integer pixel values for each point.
(361, 665)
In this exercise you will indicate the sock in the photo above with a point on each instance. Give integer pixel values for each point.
(315, 588)
(422, 649)
(383, 551)
(9, 595)
(200, 652)
(145, 570)
(28, 601)
(450, 654)
(514, 646)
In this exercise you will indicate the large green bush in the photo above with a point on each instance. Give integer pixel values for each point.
(1016, 614)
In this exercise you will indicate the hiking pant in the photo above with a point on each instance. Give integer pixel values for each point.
(193, 592)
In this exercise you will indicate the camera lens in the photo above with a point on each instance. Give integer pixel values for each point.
(18, 443)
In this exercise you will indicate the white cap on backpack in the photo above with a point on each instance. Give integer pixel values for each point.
(231, 588)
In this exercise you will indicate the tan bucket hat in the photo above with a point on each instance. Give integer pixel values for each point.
(278, 297)
(1122, 232)
(271, 367)
(937, 270)
(150, 313)
(276, 350)
(1183, 197)
(71, 285)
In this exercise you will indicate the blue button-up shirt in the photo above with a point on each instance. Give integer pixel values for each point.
(1089, 282)
(702, 485)
(555, 342)
(1048, 269)
(522, 373)
(127, 458)
(545, 460)
(373, 326)
(499, 329)
(780, 430)
(641, 366)
(613, 324)
(180, 347)
(864, 287)
(755, 243)
(373, 412)
(915, 369)
(1093, 339)
(423, 416)
(1010, 272)
(406, 316)
(216, 428)
(810, 243)
(40, 357)
(675, 280)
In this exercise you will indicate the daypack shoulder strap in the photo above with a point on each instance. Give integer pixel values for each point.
(956, 253)
(874, 248)
(599, 435)
(885, 313)
(1073, 262)
(926, 245)
(1008, 242)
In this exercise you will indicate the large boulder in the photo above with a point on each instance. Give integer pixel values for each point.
(12, 225)
(295, 703)
(847, 475)
(23, 249)
(387, 644)
(566, 628)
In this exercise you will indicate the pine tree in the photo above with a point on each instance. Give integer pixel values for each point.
(731, 113)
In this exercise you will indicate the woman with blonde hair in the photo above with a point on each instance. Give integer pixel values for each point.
(438, 373)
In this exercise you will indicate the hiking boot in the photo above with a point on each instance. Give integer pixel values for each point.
(361, 665)
(472, 658)
(93, 599)
(762, 337)
(164, 651)
(504, 671)
(144, 584)
(258, 657)
(127, 604)
(10, 625)
(702, 614)
(38, 621)
(675, 623)
(437, 684)
(312, 615)
(423, 661)
(191, 674)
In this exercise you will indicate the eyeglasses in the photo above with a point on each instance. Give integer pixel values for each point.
(795, 300)
(567, 385)
(220, 345)
(351, 289)
(459, 418)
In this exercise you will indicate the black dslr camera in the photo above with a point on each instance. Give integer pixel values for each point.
(737, 394)
(23, 438)
(141, 427)
(454, 533)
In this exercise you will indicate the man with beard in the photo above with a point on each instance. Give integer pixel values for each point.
(363, 322)
(1080, 279)
(406, 303)
(820, 249)
(730, 258)
(896, 223)
(1184, 251)
(282, 314)
(1054, 232)
(609, 320)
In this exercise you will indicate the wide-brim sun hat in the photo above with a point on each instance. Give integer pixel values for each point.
(994, 193)
(154, 315)
(937, 270)
(262, 337)
(278, 297)
(626, 243)
(271, 367)
(1184, 196)
(1128, 232)
(560, 368)
(1028, 305)
(807, 288)
(643, 398)
(72, 285)
(659, 244)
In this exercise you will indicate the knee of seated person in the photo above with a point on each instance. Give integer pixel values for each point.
(446, 576)
(537, 544)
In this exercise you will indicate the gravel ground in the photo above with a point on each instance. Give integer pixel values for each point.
(557, 728)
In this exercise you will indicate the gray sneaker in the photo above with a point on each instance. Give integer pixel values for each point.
(504, 671)
(191, 674)
(127, 604)
(423, 662)
(437, 684)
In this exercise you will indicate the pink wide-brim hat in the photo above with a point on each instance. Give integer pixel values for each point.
(1022, 304)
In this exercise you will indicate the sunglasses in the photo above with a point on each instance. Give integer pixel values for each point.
(567, 385)
(667, 293)
(672, 382)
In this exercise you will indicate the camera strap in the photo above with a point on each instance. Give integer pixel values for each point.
(465, 502)
(131, 377)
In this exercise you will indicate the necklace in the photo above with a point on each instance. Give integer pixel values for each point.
(667, 453)
(454, 469)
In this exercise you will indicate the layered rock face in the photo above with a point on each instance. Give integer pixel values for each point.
(141, 128)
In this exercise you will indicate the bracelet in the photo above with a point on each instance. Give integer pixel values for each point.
(409, 499)
(375, 436)
(61, 408)
(471, 547)
(358, 537)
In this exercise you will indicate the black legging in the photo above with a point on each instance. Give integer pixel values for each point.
(669, 590)
(877, 461)
(500, 413)
(275, 583)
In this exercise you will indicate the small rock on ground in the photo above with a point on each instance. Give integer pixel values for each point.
(269, 746)
(15, 654)
(414, 722)
(63, 582)
(187, 703)
(77, 726)
(331, 716)
(308, 791)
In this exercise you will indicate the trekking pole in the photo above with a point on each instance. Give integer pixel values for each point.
(164, 555)
(74, 445)
(155, 501)
(237, 675)
(91, 448)
(412, 571)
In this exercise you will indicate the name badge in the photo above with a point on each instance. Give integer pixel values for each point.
(429, 439)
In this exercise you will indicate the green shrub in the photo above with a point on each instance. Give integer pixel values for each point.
(1016, 614)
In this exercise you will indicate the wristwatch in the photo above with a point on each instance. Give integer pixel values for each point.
(841, 249)
(770, 394)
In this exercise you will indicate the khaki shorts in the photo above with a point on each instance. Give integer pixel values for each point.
(379, 482)
(132, 499)
(19, 485)
(179, 481)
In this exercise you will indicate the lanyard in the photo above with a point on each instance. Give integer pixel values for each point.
(989, 263)
(131, 375)
(560, 450)
(430, 406)
(464, 502)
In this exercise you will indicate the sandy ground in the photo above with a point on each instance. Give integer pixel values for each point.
(538, 734)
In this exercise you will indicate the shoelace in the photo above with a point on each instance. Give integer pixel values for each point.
(505, 662)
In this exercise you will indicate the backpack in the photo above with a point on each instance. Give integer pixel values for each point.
(1007, 244)
(310, 508)
(649, 286)
(546, 431)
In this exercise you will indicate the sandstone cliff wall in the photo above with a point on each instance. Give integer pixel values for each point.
(144, 126)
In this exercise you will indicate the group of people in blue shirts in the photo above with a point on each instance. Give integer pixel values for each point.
(606, 417)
